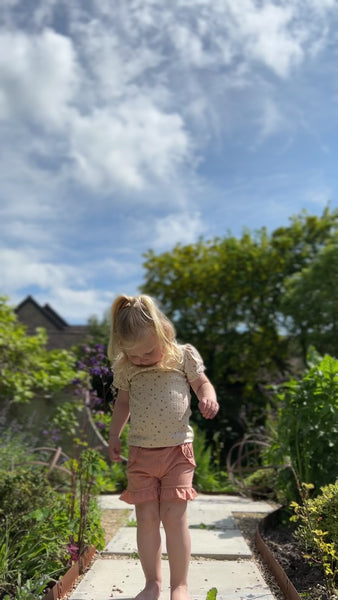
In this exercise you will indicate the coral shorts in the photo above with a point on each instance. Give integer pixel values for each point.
(160, 474)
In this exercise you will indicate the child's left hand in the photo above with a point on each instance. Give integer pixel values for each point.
(208, 407)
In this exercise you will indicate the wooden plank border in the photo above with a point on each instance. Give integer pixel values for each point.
(273, 565)
(62, 587)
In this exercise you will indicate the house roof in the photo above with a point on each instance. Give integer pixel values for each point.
(53, 315)
(60, 333)
(47, 311)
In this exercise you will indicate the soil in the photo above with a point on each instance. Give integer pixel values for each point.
(308, 580)
(112, 520)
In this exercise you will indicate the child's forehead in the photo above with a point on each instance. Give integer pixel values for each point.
(147, 339)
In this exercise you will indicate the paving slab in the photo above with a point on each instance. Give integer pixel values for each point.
(227, 544)
(112, 501)
(232, 503)
(227, 503)
(214, 535)
(122, 579)
(212, 515)
(207, 510)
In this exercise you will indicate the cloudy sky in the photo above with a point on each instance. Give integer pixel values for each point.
(127, 125)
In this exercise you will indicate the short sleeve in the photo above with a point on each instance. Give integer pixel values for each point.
(193, 363)
(120, 378)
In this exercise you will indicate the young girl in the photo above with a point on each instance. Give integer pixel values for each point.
(153, 375)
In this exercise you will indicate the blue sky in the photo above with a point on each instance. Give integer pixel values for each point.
(126, 126)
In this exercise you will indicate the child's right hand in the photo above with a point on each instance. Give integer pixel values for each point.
(114, 448)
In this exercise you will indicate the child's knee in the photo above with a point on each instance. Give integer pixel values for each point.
(148, 514)
(173, 514)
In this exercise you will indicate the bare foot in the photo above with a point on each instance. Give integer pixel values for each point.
(152, 591)
(179, 593)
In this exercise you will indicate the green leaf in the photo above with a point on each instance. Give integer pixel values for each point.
(212, 594)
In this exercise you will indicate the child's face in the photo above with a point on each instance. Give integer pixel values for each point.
(146, 352)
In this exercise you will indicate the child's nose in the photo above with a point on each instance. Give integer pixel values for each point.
(141, 361)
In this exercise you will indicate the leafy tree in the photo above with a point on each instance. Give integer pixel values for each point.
(99, 329)
(224, 296)
(26, 366)
(311, 302)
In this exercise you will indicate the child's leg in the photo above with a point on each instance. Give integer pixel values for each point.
(174, 518)
(149, 548)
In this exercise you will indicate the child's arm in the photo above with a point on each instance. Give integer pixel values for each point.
(119, 419)
(206, 395)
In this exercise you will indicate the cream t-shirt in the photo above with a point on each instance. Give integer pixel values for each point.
(159, 400)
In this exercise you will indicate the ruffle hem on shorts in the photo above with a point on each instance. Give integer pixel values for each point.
(179, 493)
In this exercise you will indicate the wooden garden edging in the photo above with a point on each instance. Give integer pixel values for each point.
(273, 565)
(62, 587)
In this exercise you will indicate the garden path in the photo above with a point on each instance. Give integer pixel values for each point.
(221, 558)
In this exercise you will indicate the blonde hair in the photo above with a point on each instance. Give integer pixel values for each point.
(131, 318)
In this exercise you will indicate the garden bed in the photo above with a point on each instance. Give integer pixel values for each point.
(271, 541)
(278, 537)
(111, 521)
(66, 583)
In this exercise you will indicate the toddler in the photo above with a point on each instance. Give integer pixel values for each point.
(153, 375)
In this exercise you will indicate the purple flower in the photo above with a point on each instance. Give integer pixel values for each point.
(95, 400)
(96, 371)
(55, 435)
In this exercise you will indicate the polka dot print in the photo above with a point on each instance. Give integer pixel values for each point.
(159, 399)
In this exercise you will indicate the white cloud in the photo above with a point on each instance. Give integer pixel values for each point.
(26, 232)
(113, 115)
(322, 6)
(190, 46)
(39, 81)
(136, 95)
(183, 228)
(271, 120)
(127, 148)
(77, 306)
(73, 290)
(318, 194)
(25, 267)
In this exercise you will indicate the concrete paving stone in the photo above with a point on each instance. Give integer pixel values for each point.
(228, 544)
(236, 577)
(223, 502)
(112, 501)
(210, 515)
(234, 503)
(122, 580)
(209, 511)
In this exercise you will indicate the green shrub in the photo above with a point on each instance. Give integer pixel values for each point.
(21, 491)
(261, 482)
(26, 366)
(322, 514)
(41, 530)
(318, 530)
(306, 431)
(207, 478)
